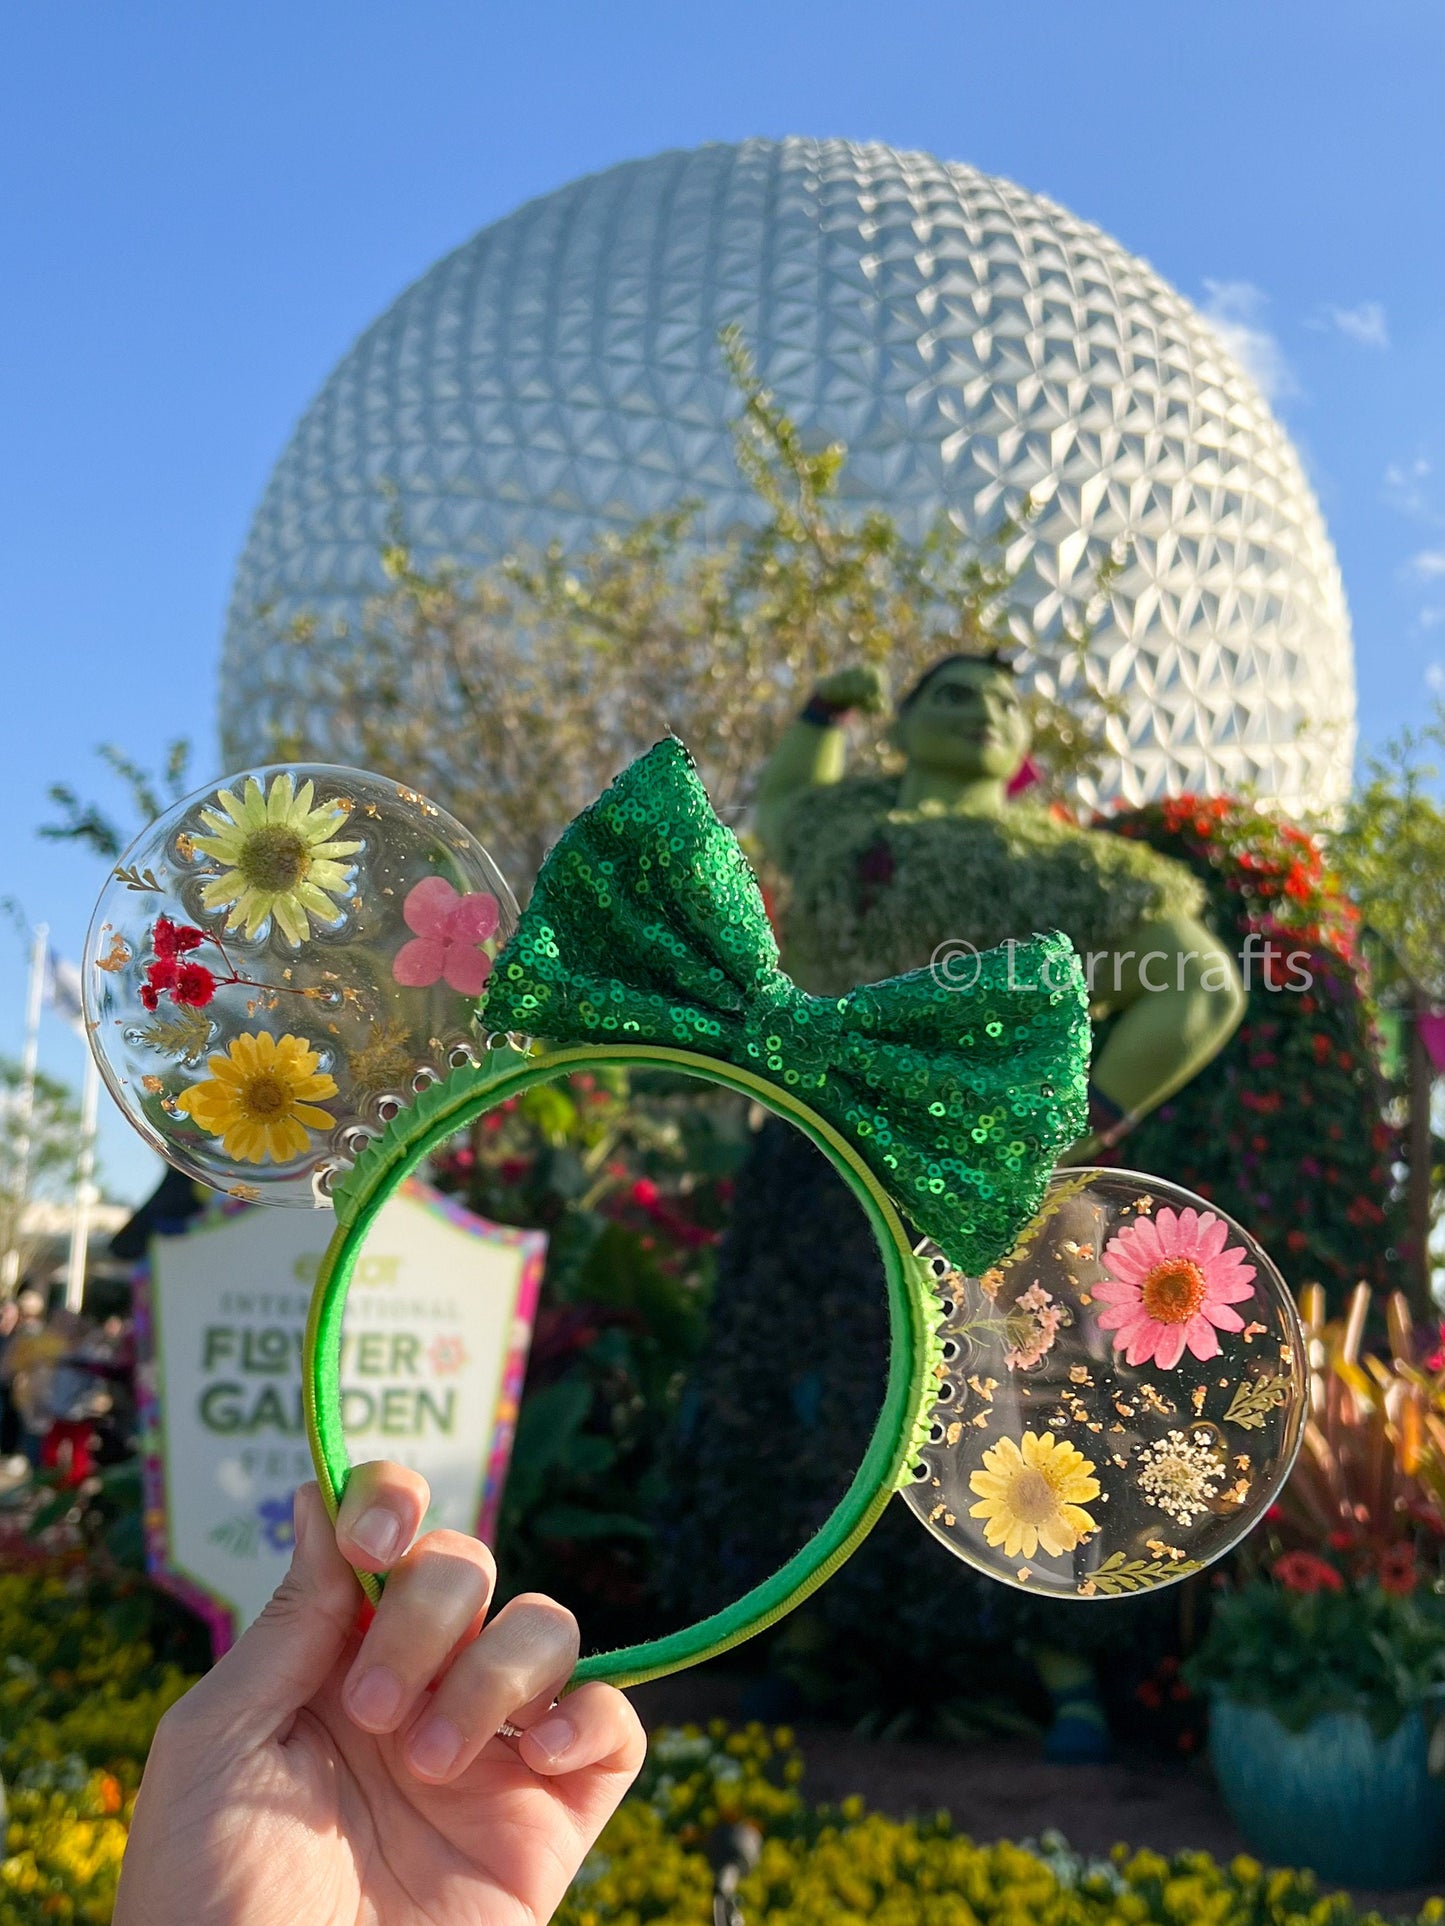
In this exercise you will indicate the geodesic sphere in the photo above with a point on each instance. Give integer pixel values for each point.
(970, 342)
(279, 963)
(1120, 1399)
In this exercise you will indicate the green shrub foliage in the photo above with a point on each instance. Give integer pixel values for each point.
(86, 1683)
(1342, 1647)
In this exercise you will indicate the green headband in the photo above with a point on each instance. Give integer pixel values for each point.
(646, 942)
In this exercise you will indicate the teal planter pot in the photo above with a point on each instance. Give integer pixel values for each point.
(1358, 1810)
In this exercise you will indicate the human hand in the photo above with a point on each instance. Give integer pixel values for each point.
(318, 1776)
(862, 687)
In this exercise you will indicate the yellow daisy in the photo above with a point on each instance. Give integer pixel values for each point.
(277, 855)
(260, 1099)
(1032, 1493)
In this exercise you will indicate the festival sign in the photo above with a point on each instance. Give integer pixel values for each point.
(433, 1355)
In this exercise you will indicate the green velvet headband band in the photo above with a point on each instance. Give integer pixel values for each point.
(646, 942)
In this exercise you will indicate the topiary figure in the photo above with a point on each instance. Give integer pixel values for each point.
(881, 874)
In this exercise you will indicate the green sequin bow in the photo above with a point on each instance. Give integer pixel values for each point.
(647, 926)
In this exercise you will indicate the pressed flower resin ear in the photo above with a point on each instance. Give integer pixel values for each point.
(280, 963)
(1121, 1397)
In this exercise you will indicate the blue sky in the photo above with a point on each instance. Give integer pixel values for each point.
(200, 207)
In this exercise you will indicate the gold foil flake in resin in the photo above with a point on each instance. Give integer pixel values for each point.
(112, 951)
(1081, 1431)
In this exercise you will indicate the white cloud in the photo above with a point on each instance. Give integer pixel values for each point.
(1235, 309)
(1407, 489)
(1427, 570)
(1365, 325)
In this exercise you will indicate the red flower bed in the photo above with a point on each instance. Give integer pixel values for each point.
(1285, 1129)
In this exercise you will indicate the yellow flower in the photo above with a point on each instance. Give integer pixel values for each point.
(1032, 1493)
(260, 1099)
(278, 857)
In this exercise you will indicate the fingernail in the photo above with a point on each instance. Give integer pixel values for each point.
(433, 1750)
(375, 1699)
(553, 1737)
(378, 1532)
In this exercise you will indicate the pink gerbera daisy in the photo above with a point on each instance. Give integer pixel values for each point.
(1171, 1284)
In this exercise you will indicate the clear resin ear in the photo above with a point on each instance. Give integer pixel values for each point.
(280, 962)
(1121, 1399)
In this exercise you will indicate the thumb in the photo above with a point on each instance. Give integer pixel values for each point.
(282, 1660)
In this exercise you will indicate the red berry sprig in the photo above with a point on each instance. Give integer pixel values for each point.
(173, 972)
(187, 983)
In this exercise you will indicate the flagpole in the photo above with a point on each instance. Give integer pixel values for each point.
(84, 1189)
(25, 1115)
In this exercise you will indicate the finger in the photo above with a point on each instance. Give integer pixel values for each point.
(513, 1671)
(277, 1664)
(381, 1514)
(434, 1599)
(593, 1726)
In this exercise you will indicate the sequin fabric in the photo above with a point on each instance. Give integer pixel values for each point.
(647, 926)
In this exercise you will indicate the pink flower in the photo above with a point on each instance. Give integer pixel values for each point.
(1171, 1284)
(1032, 1328)
(448, 1354)
(448, 929)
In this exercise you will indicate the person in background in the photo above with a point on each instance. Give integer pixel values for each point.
(78, 1402)
(31, 1355)
(9, 1416)
(107, 1356)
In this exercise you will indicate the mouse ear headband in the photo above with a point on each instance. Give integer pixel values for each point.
(942, 1106)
